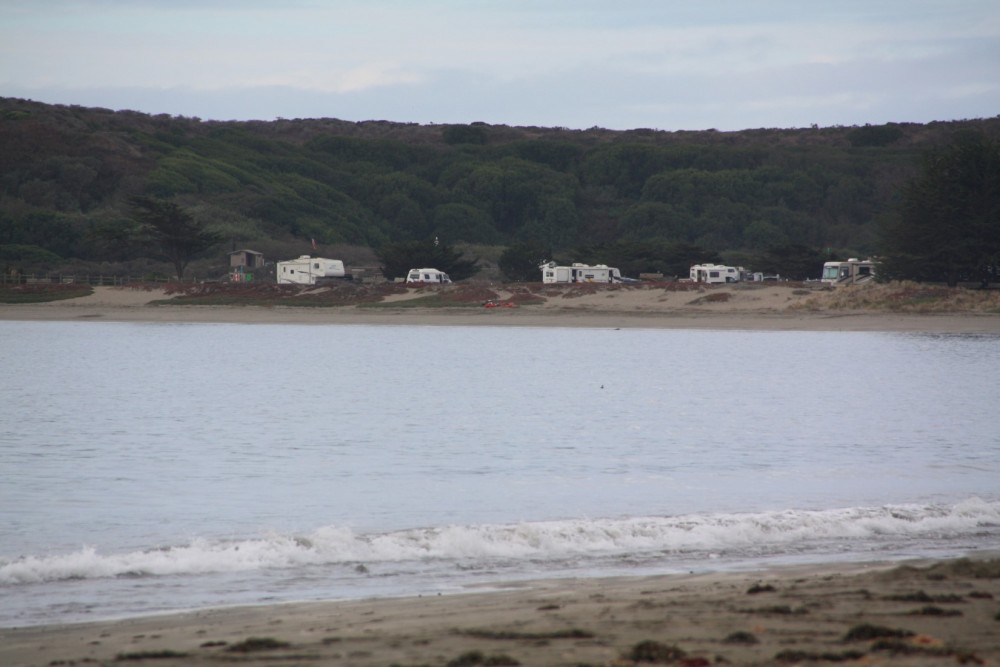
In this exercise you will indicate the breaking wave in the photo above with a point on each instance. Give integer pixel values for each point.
(649, 539)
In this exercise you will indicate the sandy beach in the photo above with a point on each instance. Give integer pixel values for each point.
(723, 307)
(920, 613)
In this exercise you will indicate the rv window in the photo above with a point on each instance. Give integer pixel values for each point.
(713, 274)
(316, 265)
(864, 270)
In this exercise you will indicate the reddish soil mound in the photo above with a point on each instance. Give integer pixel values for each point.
(339, 294)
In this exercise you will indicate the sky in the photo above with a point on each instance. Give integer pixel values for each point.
(616, 64)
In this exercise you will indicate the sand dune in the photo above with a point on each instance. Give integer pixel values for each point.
(726, 307)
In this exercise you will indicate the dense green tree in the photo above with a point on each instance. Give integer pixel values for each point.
(948, 224)
(635, 257)
(462, 222)
(66, 169)
(875, 135)
(398, 258)
(512, 191)
(795, 262)
(59, 234)
(649, 220)
(555, 226)
(762, 234)
(19, 257)
(520, 262)
(465, 134)
(166, 231)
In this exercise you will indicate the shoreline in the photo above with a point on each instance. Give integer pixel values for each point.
(942, 611)
(528, 316)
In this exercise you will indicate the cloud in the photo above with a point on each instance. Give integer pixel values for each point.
(633, 63)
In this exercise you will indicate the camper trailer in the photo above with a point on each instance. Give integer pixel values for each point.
(429, 276)
(851, 272)
(580, 273)
(716, 273)
(308, 270)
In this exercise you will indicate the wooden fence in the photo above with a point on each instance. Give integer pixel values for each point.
(87, 279)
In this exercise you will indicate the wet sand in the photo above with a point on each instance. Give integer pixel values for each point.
(922, 613)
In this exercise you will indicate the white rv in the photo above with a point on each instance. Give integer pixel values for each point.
(308, 270)
(431, 276)
(580, 273)
(716, 273)
(852, 272)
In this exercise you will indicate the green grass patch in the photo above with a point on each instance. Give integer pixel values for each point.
(921, 596)
(867, 632)
(236, 300)
(42, 293)
(780, 609)
(655, 652)
(429, 301)
(932, 610)
(472, 658)
(150, 655)
(572, 633)
(803, 656)
(253, 644)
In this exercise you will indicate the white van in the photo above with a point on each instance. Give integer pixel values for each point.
(429, 276)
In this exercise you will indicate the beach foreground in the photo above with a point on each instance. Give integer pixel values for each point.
(920, 613)
(740, 307)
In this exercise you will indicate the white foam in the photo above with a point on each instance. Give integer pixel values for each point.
(779, 532)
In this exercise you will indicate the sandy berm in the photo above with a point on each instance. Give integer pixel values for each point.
(750, 307)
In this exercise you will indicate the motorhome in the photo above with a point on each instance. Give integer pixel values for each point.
(716, 273)
(851, 272)
(580, 273)
(429, 276)
(306, 270)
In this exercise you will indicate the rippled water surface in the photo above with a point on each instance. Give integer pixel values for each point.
(151, 466)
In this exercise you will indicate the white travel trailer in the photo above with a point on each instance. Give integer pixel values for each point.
(432, 276)
(308, 270)
(580, 273)
(716, 273)
(852, 272)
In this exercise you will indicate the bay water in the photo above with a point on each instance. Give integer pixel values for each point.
(147, 468)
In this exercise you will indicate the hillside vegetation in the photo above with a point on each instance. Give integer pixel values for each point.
(67, 173)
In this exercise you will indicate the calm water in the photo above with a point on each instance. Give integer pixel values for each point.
(151, 467)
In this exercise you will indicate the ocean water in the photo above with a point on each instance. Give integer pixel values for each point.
(147, 468)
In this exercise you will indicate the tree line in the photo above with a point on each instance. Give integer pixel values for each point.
(647, 200)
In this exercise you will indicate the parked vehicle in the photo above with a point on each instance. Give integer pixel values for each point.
(306, 270)
(580, 273)
(716, 273)
(851, 272)
(429, 276)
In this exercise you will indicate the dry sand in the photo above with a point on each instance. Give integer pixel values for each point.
(757, 308)
(943, 613)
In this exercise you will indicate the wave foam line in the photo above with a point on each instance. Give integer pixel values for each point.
(542, 540)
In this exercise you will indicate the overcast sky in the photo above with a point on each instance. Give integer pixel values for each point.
(618, 64)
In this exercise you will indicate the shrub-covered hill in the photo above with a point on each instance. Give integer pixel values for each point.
(67, 172)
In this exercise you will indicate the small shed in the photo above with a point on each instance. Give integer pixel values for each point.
(248, 259)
